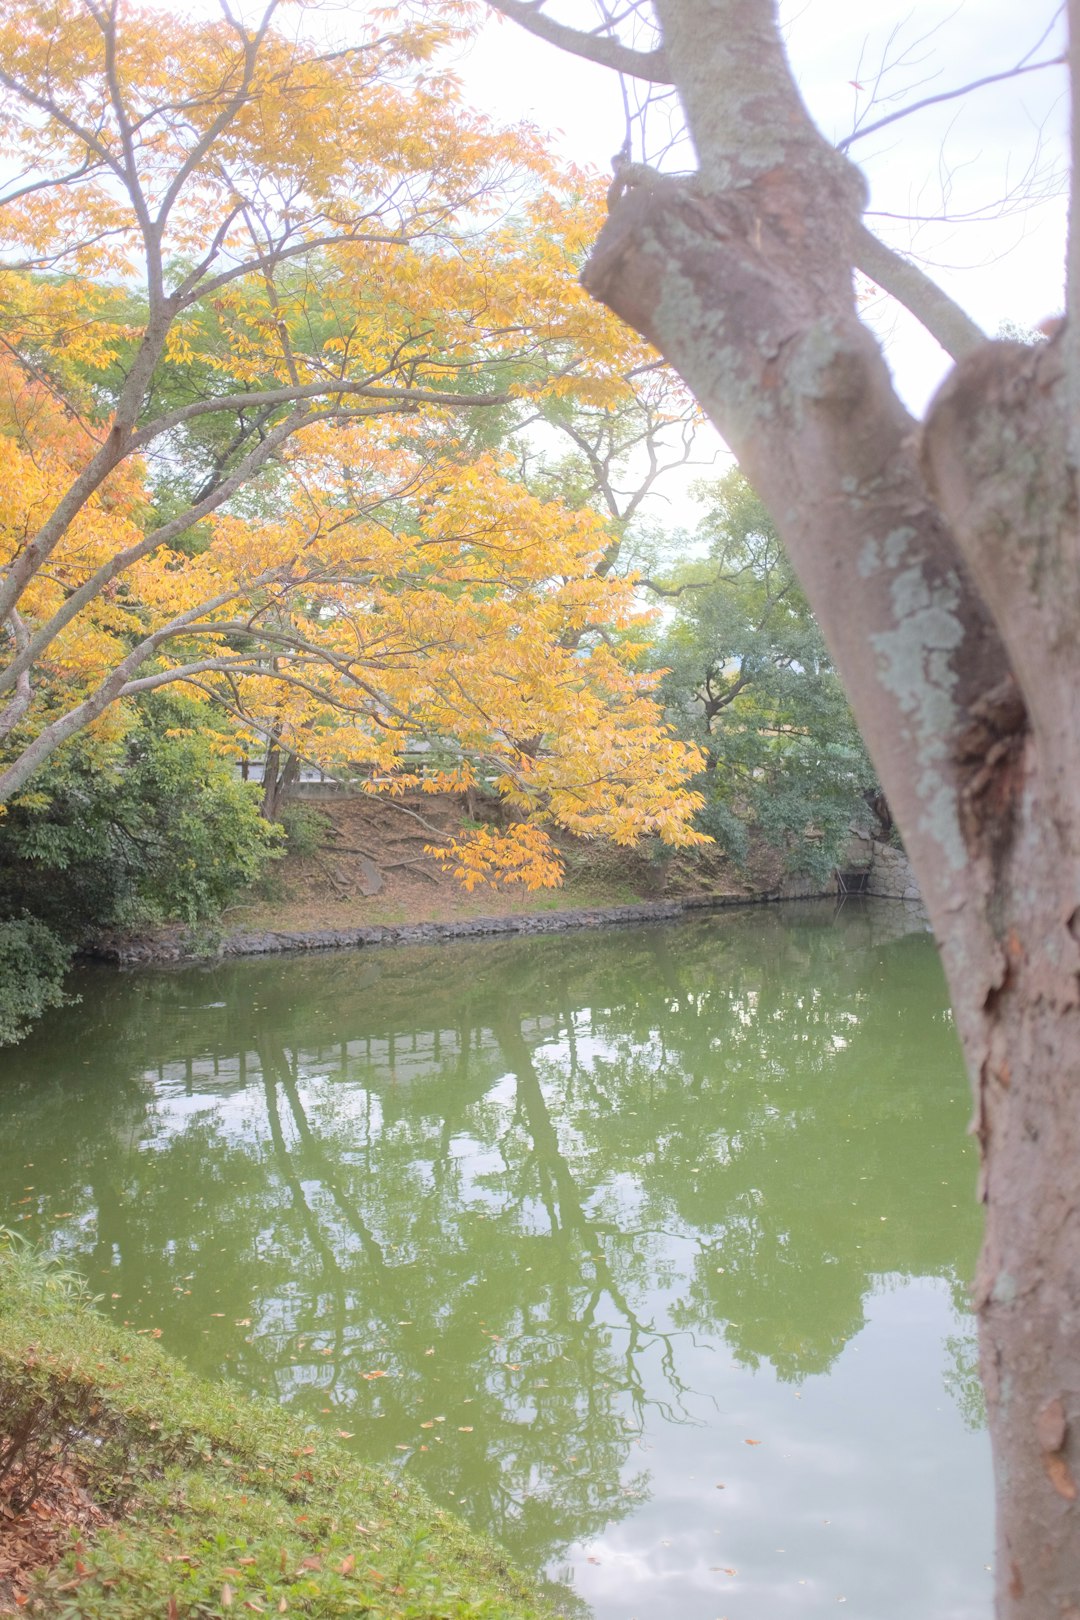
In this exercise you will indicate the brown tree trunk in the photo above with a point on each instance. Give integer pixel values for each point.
(1028, 1289)
(280, 773)
(947, 582)
(996, 452)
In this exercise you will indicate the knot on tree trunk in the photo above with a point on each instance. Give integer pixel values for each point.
(738, 263)
(990, 753)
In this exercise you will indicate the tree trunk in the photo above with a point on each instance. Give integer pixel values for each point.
(1024, 1060)
(1027, 1293)
(280, 773)
(948, 585)
(996, 452)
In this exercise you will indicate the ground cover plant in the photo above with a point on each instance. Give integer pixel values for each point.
(192, 1501)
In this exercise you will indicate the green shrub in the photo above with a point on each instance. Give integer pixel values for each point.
(163, 828)
(305, 828)
(33, 961)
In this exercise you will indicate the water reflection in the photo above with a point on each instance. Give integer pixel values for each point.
(507, 1213)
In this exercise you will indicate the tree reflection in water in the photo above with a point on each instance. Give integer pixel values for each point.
(471, 1205)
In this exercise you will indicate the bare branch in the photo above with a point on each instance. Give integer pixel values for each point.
(659, 589)
(609, 53)
(946, 95)
(905, 281)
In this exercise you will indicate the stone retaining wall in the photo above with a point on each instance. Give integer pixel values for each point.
(178, 946)
(889, 874)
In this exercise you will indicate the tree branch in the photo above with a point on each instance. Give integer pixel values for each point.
(609, 53)
(19, 704)
(903, 280)
(946, 95)
(293, 395)
(49, 739)
(116, 565)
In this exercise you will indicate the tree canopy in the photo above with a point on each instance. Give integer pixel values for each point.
(271, 304)
(749, 680)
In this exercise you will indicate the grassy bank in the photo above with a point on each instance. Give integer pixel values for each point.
(151, 1493)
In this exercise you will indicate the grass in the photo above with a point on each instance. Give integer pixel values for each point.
(218, 1505)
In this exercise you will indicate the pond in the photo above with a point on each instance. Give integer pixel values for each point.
(645, 1250)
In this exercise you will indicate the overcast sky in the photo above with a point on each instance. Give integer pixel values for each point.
(1001, 264)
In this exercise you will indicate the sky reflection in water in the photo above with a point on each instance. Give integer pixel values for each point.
(560, 1226)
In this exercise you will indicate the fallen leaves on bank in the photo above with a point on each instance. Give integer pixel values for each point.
(34, 1534)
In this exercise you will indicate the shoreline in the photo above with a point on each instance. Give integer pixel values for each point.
(181, 947)
(150, 1480)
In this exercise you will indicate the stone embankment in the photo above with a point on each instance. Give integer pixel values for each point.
(889, 875)
(179, 946)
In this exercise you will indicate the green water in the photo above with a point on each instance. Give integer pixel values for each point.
(575, 1230)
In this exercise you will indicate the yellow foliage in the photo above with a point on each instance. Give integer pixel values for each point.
(523, 853)
(317, 258)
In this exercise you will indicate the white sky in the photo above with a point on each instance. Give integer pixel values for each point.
(1002, 266)
(999, 268)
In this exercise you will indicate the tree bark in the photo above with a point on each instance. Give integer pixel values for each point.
(996, 449)
(280, 773)
(944, 568)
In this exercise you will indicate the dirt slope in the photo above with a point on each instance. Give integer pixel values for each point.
(371, 868)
